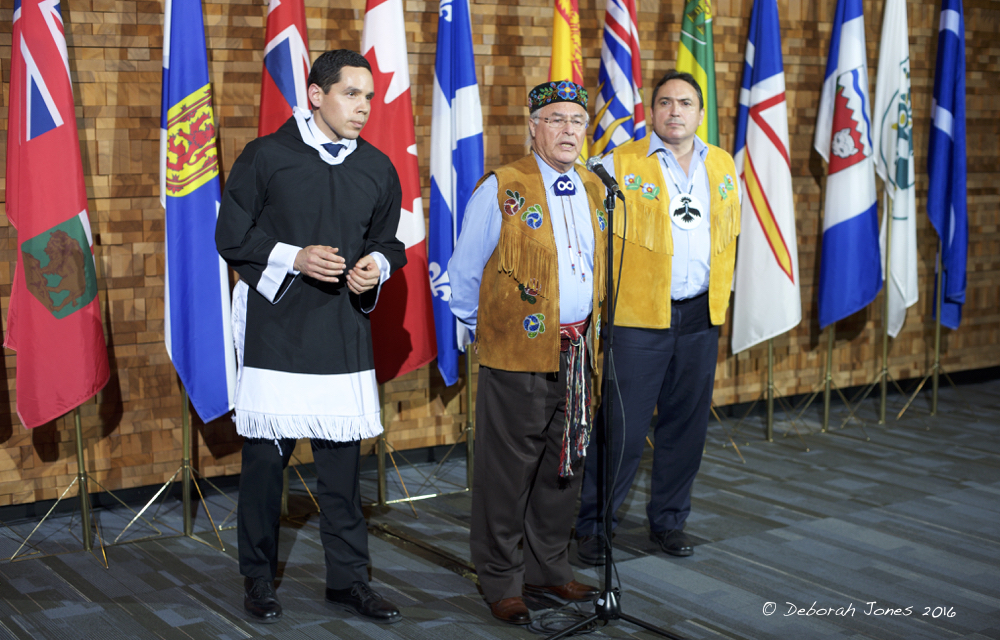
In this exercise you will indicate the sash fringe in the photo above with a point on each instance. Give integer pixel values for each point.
(250, 424)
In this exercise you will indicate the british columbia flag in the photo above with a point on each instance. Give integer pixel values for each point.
(54, 319)
(286, 65)
(619, 111)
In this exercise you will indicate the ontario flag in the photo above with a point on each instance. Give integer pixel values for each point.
(403, 322)
(619, 112)
(54, 320)
(767, 302)
(286, 65)
(850, 271)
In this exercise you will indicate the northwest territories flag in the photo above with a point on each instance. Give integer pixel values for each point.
(403, 322)
(456, 165)
(286, 65)
(767, 301)
(850, 272)
(946, 206)
(618, 108)
(54, 319)
(196, 324)
(893, 135)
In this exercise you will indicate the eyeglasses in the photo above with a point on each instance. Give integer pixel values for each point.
(558, 122)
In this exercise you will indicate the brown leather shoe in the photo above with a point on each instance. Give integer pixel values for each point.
(573, 591)
(511, 610)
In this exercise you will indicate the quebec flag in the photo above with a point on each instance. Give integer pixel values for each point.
(946, 161)
(456, 166)
(850, 273)
(196, 322)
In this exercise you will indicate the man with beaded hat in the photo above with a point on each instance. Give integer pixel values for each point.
(531, 254)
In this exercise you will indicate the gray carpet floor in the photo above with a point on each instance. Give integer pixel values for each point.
(866, 531)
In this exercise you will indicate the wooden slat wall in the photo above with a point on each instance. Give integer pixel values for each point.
(132, 429)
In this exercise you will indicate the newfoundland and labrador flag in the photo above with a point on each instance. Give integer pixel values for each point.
(197, 327)
(54, 320)
(286, 64)
(618, 106)
(850, 271)
(456, 166)
(767, 301)
(946, 161)
(403, 322)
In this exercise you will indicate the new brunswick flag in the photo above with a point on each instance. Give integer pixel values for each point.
(54, 320)
(696, 57)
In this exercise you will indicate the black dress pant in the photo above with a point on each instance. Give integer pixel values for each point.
(517, 494)
(672, 370)
(343, 530)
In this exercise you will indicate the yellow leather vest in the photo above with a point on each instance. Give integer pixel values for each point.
(518, 319)
(644, 300)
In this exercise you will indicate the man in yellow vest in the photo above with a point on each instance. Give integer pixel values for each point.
(528, 277)
(679, 250)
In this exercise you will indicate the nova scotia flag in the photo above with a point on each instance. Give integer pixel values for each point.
(456, 166)
(850, 272)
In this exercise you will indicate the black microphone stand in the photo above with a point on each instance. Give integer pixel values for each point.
(607, 607)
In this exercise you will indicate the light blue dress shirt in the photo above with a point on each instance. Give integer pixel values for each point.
(481, 233)
(692, 247)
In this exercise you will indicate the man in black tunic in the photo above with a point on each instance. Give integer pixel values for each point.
(308, 220)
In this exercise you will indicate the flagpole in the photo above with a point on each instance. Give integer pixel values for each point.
(884, 375)
(81, 478)
(829, 378)
(470, 424)
(380, 447)
(937, 330)
(186, 460)
(770, 390)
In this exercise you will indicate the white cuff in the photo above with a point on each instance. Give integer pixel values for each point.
(280, 263)
(383, 275)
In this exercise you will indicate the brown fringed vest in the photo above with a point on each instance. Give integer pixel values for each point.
(518, 324)
(644, 300)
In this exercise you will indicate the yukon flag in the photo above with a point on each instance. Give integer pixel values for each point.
(54, 319)
(946, 160)
(197, 325)
(566, 62)
(850, 271)
(456, 166)
(767, 301)
(696, 56)
(618, 107)
(286, 65)
(893, 135)
(403, 322)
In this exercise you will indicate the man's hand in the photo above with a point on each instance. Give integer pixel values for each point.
(320, 262)
(364, 275)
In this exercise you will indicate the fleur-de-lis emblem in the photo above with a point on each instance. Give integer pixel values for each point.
(440, 285)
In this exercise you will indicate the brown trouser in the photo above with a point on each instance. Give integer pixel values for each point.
(517, 494)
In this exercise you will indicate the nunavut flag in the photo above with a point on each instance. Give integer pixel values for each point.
(286, 65)
(403, 322)
(768, 302)
(197, 326)
(54, 320)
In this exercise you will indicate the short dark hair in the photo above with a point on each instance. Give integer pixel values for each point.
(325, 71)
(674, 74)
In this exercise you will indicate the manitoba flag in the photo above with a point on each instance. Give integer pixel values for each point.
(403, 322)
(54, 320)
(286, 65)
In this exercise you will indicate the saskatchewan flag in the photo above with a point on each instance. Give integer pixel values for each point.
(697, 58)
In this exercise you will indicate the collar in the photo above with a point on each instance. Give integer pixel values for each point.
(550, 175)
(655, 144)
(315, 138)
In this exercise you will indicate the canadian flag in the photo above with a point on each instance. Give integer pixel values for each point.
(403, 321)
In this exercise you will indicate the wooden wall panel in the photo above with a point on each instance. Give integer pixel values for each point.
(132, 428)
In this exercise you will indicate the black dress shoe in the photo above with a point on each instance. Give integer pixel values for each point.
(673, 541)
(590, 550)
(259, 600)
(362, 601)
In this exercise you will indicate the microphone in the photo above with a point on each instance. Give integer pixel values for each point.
(594, 164)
